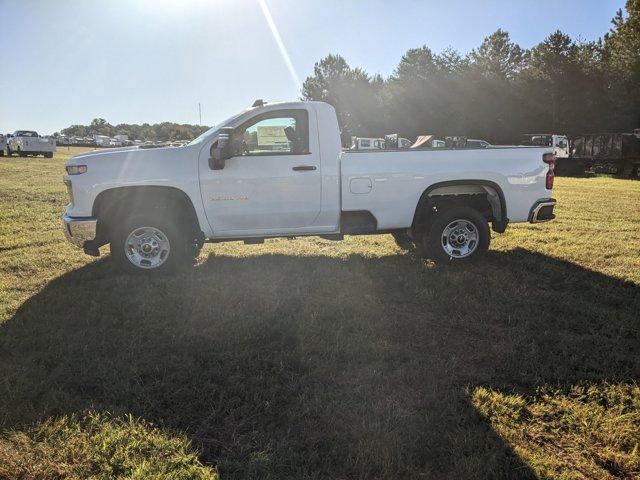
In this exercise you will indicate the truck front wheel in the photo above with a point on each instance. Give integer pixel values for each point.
(150, 243)
(457, 235)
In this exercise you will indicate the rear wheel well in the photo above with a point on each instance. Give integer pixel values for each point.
(115, 205)
(483, 196)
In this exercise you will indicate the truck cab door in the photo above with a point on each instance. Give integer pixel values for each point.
(271, 184)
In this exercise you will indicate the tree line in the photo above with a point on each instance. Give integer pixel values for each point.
(496, 92)
(161, 132)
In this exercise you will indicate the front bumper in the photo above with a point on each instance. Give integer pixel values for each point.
(79, 231)
(542, 211)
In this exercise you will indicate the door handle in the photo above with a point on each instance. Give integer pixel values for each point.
(304, 168)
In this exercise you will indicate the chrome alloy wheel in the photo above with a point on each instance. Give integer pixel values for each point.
(460, 238)
(147, 247)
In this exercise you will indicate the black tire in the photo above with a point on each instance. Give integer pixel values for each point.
(21, 153)
(1, 153)
(434, 243)
(181, 251)
(9, 152)
(48, 155)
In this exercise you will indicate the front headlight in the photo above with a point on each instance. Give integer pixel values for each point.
(76, 169)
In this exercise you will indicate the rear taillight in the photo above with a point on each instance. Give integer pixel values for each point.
(550, 159)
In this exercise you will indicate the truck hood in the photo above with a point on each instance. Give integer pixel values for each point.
(129, 155)
(103, 151)
(132, 166)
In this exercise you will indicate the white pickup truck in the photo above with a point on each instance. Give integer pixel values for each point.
(279, 170)
(28, 142)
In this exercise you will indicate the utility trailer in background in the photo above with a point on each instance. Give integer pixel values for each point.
(617, 153)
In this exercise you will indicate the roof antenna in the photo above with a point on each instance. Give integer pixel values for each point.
(259, 103)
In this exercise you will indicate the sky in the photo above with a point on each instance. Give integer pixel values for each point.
(137, 61)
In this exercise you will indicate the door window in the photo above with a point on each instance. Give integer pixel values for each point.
(273, 133)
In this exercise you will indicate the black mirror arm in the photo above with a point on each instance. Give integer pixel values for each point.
(217, 159)
(216, 164)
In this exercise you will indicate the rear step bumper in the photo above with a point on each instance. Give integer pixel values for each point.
(542, 211)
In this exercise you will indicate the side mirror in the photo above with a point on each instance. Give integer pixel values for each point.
(221, 150)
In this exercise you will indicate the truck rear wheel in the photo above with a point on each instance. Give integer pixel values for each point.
(48, 155)
(151, 243)
(457, 235)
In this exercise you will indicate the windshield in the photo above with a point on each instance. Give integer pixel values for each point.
(215, 128)
(26, 133)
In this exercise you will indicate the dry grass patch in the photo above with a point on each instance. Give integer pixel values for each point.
(589, 432)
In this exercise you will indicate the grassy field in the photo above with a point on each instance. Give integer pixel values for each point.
(312, 359)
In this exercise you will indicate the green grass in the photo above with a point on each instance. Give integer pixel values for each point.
(317, 359)
(98, 447)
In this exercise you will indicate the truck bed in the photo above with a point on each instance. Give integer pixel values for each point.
(394, 178)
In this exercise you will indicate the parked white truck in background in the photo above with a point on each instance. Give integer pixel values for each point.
(559, 143)
(28, 142)
(156, 207)
(359, 143)
(3, 144)
(102, 140)
(123, 139)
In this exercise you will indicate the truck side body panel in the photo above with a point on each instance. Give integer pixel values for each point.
(129, 167)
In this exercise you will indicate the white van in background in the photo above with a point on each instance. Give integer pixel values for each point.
(358, 143)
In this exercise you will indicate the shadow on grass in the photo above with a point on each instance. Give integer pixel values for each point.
(310, 367)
